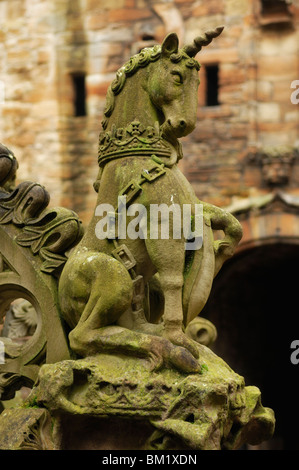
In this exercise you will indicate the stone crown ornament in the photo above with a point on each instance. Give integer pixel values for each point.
(134, 138)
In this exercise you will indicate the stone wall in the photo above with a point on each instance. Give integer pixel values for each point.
(44, 44)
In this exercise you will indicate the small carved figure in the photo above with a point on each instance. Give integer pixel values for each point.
(108, 282)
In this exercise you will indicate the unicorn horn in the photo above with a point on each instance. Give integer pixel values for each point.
(201, 41)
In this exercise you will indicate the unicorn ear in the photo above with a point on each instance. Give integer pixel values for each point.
(170, 44)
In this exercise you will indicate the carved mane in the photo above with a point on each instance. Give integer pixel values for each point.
(138, 61)
(151, 54)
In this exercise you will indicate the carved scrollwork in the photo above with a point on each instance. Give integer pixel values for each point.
(24, 203)
(48, 232)
(34, 241)
(202, 331)
(51, 235)
(9, 383)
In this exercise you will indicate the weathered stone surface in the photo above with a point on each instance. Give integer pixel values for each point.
(105, 279)
(211, 410)
(26, 429)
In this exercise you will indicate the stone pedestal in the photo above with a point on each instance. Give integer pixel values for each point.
(116, 402)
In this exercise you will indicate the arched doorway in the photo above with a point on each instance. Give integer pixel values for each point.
(254, 304)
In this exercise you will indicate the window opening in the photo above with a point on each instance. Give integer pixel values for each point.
(212, 87)
(275, 11)
(79, 94)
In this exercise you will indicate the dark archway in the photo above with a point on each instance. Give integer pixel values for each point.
(254, 304)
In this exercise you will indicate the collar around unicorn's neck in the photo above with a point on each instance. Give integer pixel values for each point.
(136, 140)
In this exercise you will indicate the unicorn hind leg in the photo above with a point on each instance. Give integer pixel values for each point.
(94, 291)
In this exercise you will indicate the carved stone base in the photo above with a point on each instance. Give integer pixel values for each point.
(110, 402)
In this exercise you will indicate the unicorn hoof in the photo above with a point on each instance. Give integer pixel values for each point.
(184, 361)
(178, 338)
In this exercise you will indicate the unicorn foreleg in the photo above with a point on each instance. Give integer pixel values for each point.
(168, 256)
(223, 220)
(173, 314)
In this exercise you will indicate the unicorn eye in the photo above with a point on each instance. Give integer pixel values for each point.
(177, 77)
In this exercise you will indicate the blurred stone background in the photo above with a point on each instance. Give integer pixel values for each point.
(52, 50)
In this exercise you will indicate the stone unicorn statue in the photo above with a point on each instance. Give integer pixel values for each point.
(117, 291)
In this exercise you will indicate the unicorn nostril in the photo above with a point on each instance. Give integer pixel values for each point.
(178, 124)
